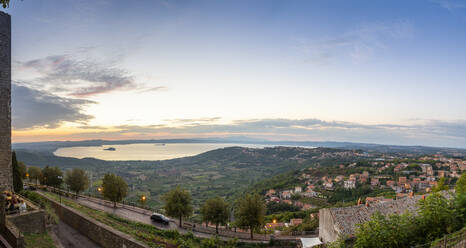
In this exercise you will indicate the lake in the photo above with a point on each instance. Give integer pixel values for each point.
(145, 151)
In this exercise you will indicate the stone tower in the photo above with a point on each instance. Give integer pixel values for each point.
(6, 178)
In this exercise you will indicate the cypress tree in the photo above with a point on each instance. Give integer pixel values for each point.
(17, 178)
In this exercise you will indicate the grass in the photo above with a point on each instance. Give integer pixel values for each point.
(41, 240)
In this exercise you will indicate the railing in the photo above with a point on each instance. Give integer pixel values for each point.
(195, 227)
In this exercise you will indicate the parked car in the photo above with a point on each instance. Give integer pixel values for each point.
(29, 187)
(160, 218)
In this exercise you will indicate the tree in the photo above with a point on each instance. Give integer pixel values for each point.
(460, 187)
(460, 197)
(250, 212)
(114, 188)
(22, 169)
(215, 211)
(51, 176)
(440, 185)
(5, 3)
(178, 204)
(437, 215)
(34, 173)
(17, 178)
(77, 180)
(381, 231)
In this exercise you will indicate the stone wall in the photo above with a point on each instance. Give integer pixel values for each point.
(101, 234)
(328, 231)
(12, 234)
(29, 222)
(334, 222)
(6, 179)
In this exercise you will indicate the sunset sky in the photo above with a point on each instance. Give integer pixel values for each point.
(388, 72)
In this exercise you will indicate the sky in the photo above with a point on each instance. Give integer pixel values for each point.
(375, 71)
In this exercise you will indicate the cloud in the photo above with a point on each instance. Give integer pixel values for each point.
(33, 108)
(65, 74)
(423, 132)
(194, 121)
(360, 43)
(151, 89)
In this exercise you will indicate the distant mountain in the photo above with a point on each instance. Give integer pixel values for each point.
(51, 146)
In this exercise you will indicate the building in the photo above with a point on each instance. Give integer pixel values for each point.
(402, 180)
(286, 194)
(297, 189)
(339, 178)
(375, 182)
(349, 184)
(390, 183)
(270, 193)
(334, 222)
(6, 177)
(295, 222)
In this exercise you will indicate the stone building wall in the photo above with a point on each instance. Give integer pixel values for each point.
(6, 179)
(336, 222)
(29, 222)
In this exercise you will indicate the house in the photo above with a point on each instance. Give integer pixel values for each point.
(295, 222)
(363, 179)
(289, 202)
(328, 185)
(309, 193)
(270, 192)
(273, 225)
(286, 194)
(299, 204)
(365, 173)
(442, 173)
(375, 182)
(402, 180)
(390, 183)
(298, 189)
(307, 206)
(339, 178)
(349, 184)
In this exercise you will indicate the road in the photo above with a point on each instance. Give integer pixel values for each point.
(141, 215)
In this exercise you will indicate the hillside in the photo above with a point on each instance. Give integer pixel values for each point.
(224, 172)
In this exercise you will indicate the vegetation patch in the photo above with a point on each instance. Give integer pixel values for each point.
(40, 240)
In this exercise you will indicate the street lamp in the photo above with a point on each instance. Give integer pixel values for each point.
(143, 200)
(59, 190)
(99, 189)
